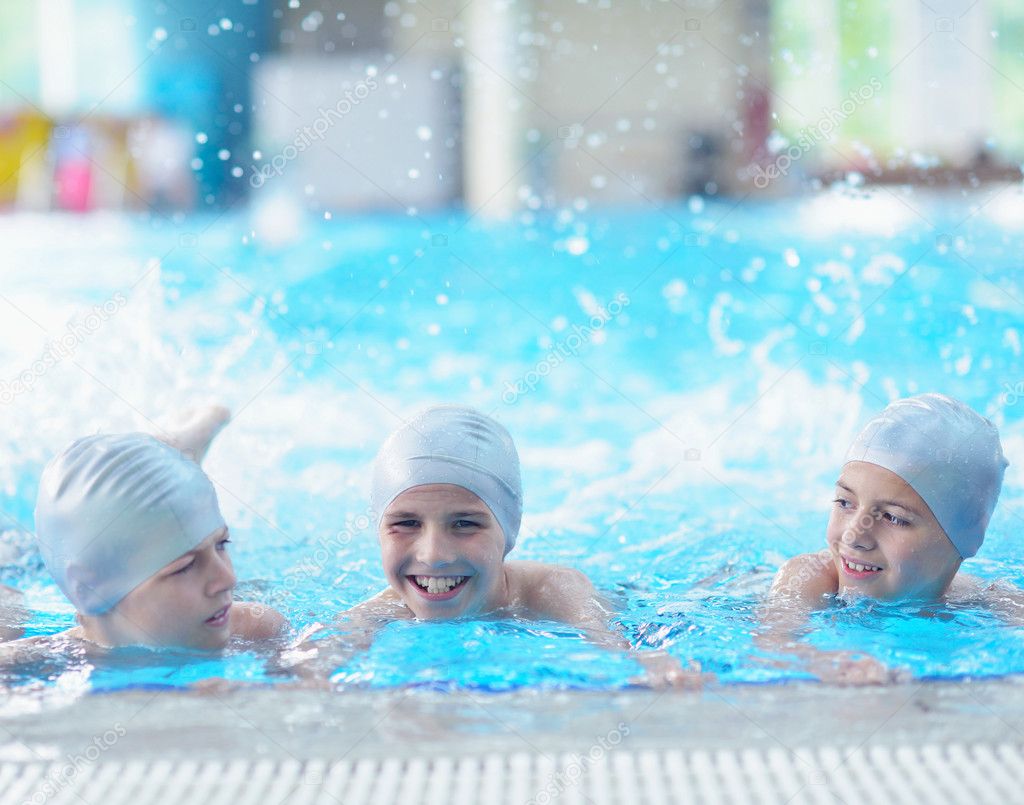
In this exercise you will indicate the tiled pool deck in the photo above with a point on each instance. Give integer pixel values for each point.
(922, 742)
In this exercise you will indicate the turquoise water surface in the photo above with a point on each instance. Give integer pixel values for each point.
(681, 383)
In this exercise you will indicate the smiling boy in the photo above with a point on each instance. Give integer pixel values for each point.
(913, 500)
(448, 498)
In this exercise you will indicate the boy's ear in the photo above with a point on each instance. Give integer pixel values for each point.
(83, 588)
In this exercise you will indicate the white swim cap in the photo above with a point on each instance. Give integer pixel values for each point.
(113, 510)
(451, 444)
(949, 454)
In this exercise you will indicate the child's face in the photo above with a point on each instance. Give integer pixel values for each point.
(880, 523)
(442, 551)
(186, 604)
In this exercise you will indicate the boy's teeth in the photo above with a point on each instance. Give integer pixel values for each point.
(438, 584)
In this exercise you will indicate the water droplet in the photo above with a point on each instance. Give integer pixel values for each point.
(577, 245)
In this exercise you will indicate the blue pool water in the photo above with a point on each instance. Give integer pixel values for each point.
(681, 383)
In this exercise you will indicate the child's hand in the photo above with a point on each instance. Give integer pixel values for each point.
(665, 671)
(213, 686)
(852, 668)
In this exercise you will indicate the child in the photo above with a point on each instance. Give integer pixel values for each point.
(913, 500)
(448, 500)
(132, 533)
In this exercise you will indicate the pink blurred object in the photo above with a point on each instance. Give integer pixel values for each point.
(74, 185)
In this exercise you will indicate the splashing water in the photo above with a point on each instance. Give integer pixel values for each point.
(681, 391)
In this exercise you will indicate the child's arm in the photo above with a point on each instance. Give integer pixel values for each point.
(801, 587)
(1001, 597)
(31, 650)
(194, 429)
(12, 614)
(314, 660)
(563, 594)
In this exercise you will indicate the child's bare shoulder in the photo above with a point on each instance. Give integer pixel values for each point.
(530, 579)
(549, 591)
(387, 605)
(256, 622)
(806, 578)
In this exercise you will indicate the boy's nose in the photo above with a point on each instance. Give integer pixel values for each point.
(222, 576)
(433, 548)
(861, 533)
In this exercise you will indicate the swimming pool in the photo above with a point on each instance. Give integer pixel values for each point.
(681, 384)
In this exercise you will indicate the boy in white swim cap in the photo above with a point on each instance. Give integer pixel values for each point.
(447, 498)
(448, 502)
(130, 529)
(913, 500)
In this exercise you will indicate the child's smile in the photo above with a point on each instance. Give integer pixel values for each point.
(439, 588)
(859, 569)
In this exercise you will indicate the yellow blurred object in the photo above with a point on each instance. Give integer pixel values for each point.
(23, 140)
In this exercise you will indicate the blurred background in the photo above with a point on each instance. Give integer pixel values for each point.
(495, 105)
(683, 250)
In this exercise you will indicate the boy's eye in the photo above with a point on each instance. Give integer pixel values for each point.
(842, 503)
(223, 544)
(466, 524)
(892, 518)
(405, 524)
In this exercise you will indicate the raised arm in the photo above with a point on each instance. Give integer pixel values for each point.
(193, 430)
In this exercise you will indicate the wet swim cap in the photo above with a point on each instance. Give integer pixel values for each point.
(949, 454)
(113, 510)
(450, 444)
